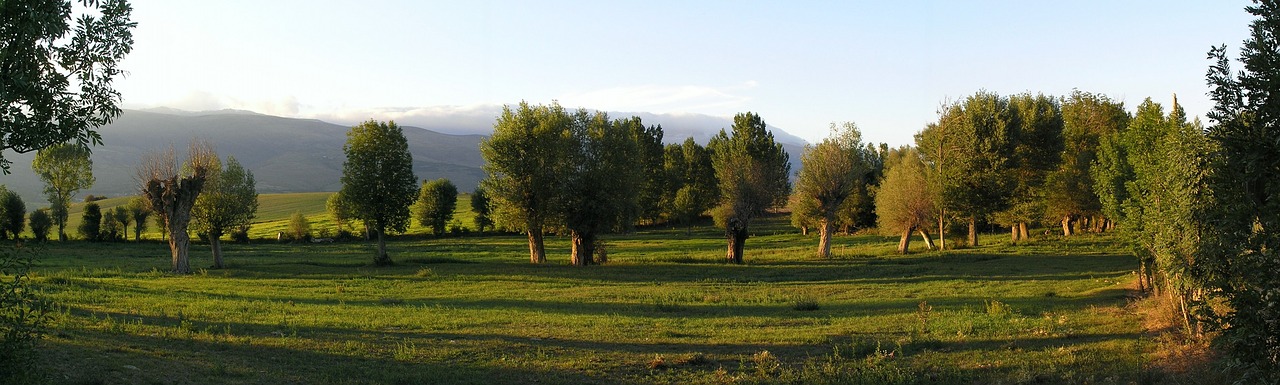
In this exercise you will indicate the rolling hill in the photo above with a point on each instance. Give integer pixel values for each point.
(290, 155)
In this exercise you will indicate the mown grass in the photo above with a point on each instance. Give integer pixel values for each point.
(665, 309)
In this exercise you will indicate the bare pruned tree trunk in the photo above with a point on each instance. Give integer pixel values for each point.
(973, 231)
(1022, 231)
(1066, 226)
(904, 243)
(824, 239)
(172, 195)
(537, 252)
(215, 243)
(582, 249)
(383, 259)
(737, 236)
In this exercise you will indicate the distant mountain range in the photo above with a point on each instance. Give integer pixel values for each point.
(304, 155)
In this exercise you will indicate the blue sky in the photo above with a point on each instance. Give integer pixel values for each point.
(886, 65)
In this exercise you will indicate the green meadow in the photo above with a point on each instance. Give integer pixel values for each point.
(664, 309)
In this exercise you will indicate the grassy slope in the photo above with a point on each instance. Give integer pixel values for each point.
(274, 211)
(664, 310)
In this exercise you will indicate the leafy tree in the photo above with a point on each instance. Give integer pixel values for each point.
(522, 160)
(57, 77)
(830, 173)
(974, 141)
(1036, 153)
(91, 222)
(905, 202)
(341, 211)
(120, 214)
(649, 157)
(752, 170)
(436, 201)
(601, 181)
(172, 194)
(859, 211)
(691, 187)
(13, 214)
(378, 180)
(138, 212)
(299, 227)
(109, 230)
(483, 209)
(65, 169)
(1069, 193)
(40, 224)
(229, 202)
(1240, 250)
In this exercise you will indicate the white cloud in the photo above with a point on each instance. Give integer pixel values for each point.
(663, 98)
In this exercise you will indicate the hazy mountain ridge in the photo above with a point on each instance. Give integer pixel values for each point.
(299, 155)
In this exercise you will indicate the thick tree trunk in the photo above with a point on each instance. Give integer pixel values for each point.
(583, 246)
(1022, 231)
(1066, 226)
(382, 259)
(924, 233)
(215, 243)
(62, 231)
(137, 231)
(804, 230)
(973, 231)
(1013, 233)
(824, 239)
(904, 243)
(178, 244)
(737, 240)
(537, 252)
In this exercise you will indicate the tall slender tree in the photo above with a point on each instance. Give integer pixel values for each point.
(65, 169)
(378, 180)
(229, 202)
(753, 171)
(1240, 250)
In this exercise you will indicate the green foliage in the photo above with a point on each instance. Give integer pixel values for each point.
(650, 155)
(299, 227)
(752, 171)
(378, 180)
(341, 211)
(1070, 189)
(13, 214)
(483, 209)
(65, 169)
(40, 223)
(691, 187)
(1036, 153)
(138, 210)
(906, 199)
(1240, 249)
(57, 81)
(522, 160)
(972, 144)
(830, 173)
(110, 230)
(601, 180)
(228, 201)
(24, 318)
(437, 200)
(91, 222)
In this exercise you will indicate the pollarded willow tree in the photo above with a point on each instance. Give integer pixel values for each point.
(172, 191)
(752, 171)
(229, 201)
(65, 168)
(602, 181)
(436, 201)
(378, 180)
(521, 159)
(906, 202)
(1240, 250)
(830, 173)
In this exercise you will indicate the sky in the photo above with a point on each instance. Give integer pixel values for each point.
(801, 65)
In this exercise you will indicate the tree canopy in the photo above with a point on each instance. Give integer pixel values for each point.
(436, 201)
(229, 201)
(378, 180)
(752, 171)
(65, 169)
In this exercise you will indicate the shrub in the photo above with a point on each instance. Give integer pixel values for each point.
(240, 234)
(91, 222)
(299, 227)
(41, 223)
(13, 212)
(23, 319)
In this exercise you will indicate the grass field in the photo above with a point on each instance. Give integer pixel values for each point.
(664, 309)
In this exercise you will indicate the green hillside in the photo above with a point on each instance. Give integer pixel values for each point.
(274, 211)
